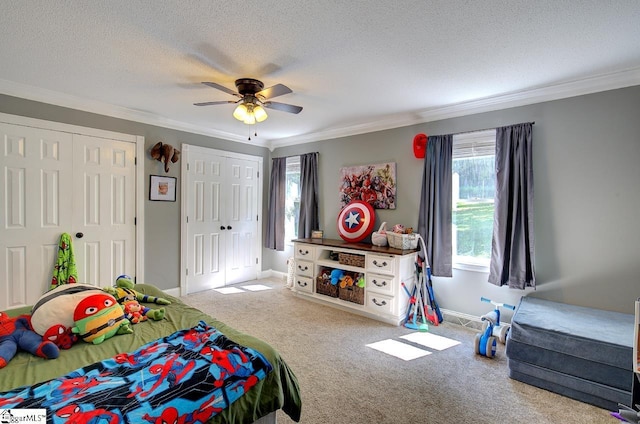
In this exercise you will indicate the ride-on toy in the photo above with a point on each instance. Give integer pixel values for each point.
(485, 342)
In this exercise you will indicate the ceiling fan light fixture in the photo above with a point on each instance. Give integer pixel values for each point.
(241, 112)
(260, 113)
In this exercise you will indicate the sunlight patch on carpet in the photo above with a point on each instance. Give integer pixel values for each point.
(256, 287)
(432, 341)
(398, 349)
(229, 290)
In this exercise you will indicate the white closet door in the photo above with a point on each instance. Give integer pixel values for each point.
(221, 201)
(206, 232)
(103, 209)
(241, 219)
(35, 204)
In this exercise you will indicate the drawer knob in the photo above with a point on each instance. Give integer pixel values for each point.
(303, 252)
(375, 301)
(384, 283)
(379, 265)
(303, 269)
(302, 284)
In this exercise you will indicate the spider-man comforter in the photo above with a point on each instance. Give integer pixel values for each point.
(186, 377)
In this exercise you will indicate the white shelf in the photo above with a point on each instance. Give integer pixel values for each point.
(387, 303)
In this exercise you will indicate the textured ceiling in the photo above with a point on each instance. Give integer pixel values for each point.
(355, 66)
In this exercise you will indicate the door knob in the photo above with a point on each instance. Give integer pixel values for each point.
(79, 235)
(229, 227)
(222, 227)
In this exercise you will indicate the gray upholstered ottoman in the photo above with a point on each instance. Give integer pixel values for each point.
(582, 353)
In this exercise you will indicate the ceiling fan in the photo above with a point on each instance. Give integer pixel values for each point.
(252, 97)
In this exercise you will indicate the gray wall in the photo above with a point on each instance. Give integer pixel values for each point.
(162, 219)
(586, 172)
(586, 155)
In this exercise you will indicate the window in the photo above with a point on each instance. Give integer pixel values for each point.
(473, 189)
(292, 199)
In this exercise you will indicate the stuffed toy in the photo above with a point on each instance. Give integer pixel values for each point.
(16, 333)
(336, 276)
(99, 317)
(124, 291)
(347, 281)
(135, 312)
(52, 314)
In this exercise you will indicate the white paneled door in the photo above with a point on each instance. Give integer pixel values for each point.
(54, 182)
(221, 204)
(103, 209)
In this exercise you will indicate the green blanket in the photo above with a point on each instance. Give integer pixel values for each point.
(279, 390)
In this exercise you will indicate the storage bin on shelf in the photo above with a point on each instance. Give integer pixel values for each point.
(352, 292)
(351, 259)
(323, 284)
(402, 241)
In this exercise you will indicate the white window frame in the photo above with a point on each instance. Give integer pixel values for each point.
(292, 161)
(471, 144)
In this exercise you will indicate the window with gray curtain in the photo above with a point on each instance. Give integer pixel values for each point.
(512, 247)
(434, 215)
(308, 219)
(512, 253)
(275, 215)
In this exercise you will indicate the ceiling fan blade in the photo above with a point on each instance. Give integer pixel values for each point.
(283, 107)
(274, 91)
(224, 102)
(221, 88)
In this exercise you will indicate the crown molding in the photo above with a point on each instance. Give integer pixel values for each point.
(29, 92)
(603, 82)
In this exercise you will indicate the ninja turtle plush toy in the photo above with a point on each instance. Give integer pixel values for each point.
(15, 333)
(124, 291)
(99, 317)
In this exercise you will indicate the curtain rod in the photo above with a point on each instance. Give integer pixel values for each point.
(492, 128)
(295, 155)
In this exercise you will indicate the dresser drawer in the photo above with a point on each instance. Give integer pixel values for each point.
(379, 303)
(304, 268)
(304, 251)
(304, 284)
(380, 264)
(380, 283)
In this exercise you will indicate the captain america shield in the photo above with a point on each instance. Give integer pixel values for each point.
(355, 221)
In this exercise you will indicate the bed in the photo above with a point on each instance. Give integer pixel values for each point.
(276, 389)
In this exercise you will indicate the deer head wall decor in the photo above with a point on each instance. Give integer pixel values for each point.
(165, 152)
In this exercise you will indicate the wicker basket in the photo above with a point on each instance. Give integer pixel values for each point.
(402, 241)
(324, 286)
(353, 294)
(351, 259)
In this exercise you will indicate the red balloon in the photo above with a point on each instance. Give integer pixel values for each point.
(420, 145)
(356, 221)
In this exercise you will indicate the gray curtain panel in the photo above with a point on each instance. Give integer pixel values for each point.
(308, 219)
(434, 215)
(277, 191)
(512, 247)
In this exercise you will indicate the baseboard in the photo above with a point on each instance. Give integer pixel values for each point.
(175, 292)
(465, 320)
(270, 273)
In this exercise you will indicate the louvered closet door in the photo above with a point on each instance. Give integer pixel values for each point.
(104, 209)
(35, 203)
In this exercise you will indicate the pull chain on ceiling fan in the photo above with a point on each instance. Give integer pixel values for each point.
(253, 98)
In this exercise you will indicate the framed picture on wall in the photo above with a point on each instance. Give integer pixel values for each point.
(374, 184)
(162, 188)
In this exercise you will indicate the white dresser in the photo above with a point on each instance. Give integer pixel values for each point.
(384, 270)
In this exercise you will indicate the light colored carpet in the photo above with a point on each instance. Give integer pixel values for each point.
(343, 381)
